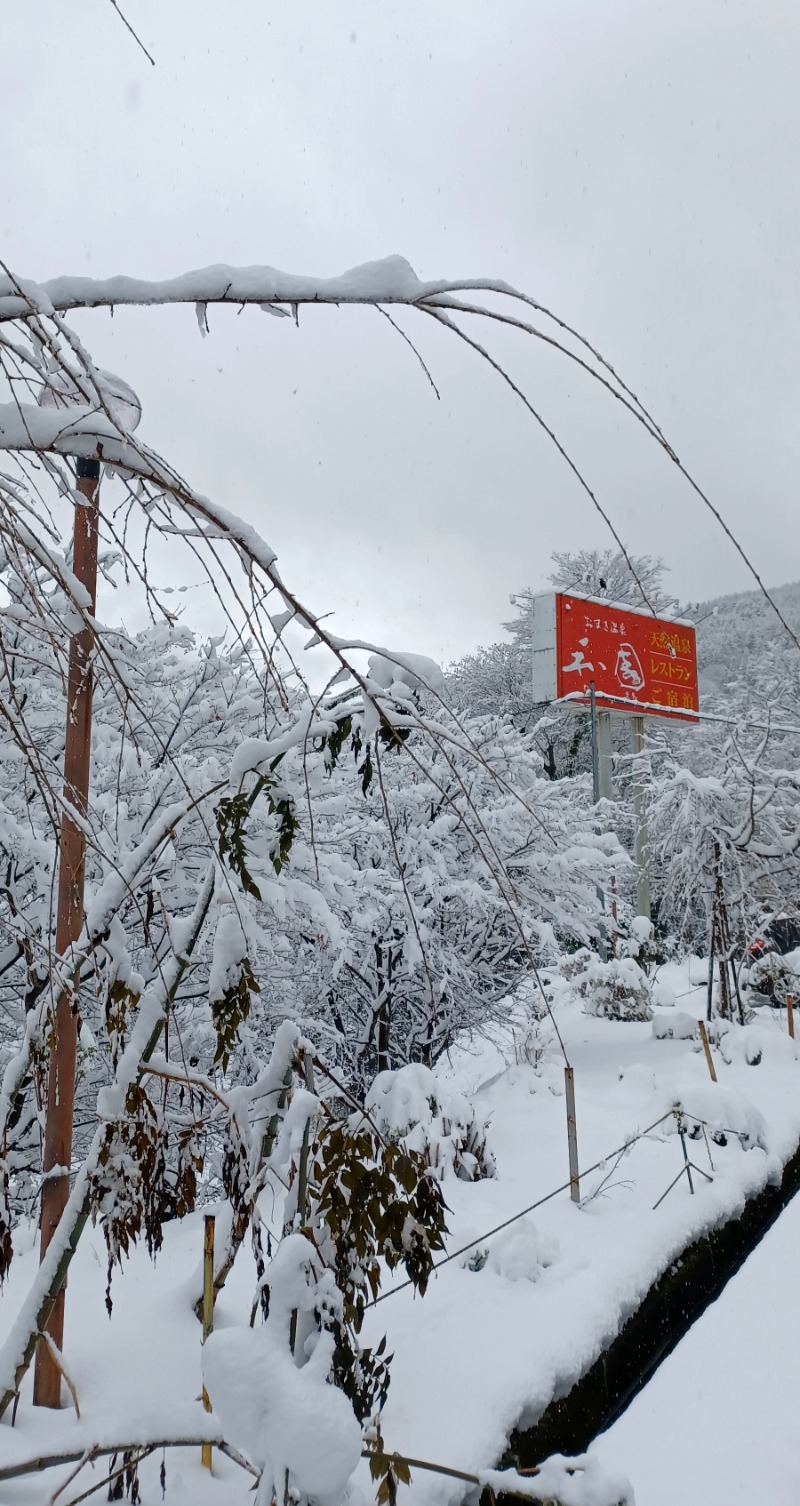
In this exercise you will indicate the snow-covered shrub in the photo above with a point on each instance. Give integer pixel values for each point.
(534, 1002)
(616, 990)
(529, 1043)
(366, 1202)
(650, 944)
(771, 978)
(536, 992)
(412, 1107)
(576, 963)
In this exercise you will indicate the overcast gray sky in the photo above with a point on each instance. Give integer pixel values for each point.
(632, 164)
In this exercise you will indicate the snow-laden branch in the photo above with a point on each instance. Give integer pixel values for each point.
(390, 280)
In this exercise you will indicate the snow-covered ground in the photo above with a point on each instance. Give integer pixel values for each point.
(486, 1347)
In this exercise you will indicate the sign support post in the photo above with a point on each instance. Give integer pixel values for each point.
(605, 767)
(641, 838)
(595, 750)
(596, 788)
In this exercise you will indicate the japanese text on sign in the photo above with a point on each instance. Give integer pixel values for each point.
(629, 656)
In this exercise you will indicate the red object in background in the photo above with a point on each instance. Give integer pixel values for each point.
(630, 656)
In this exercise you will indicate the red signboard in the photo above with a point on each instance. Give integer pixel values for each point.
(631, 656)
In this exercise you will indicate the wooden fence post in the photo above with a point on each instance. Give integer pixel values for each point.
(790, 1013)
(572, 1136)
(707, 1049)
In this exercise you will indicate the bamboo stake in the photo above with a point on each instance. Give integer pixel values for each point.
(707, 1049)
(208, 1312)
(572, 1136)
(790, 1013)
(235, 1240)
(302, 1185)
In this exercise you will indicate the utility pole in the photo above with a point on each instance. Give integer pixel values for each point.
(57, 1155)
(69, 920)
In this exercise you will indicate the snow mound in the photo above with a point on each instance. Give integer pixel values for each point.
(721, 1110)
(752, 1044)
(674, 1025)
(522, 1252)
(561, 1481)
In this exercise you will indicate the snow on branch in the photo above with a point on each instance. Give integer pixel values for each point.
(390, 280)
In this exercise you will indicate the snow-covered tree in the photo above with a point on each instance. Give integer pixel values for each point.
(251, 849)
(725, 848)
(449, 875)
(197, 834)
(634, 580)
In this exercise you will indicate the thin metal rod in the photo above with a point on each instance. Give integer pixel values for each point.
(669, 1189)
(688, 1166)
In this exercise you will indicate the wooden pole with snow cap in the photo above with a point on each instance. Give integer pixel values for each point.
(572, 1136)
(114, 399)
